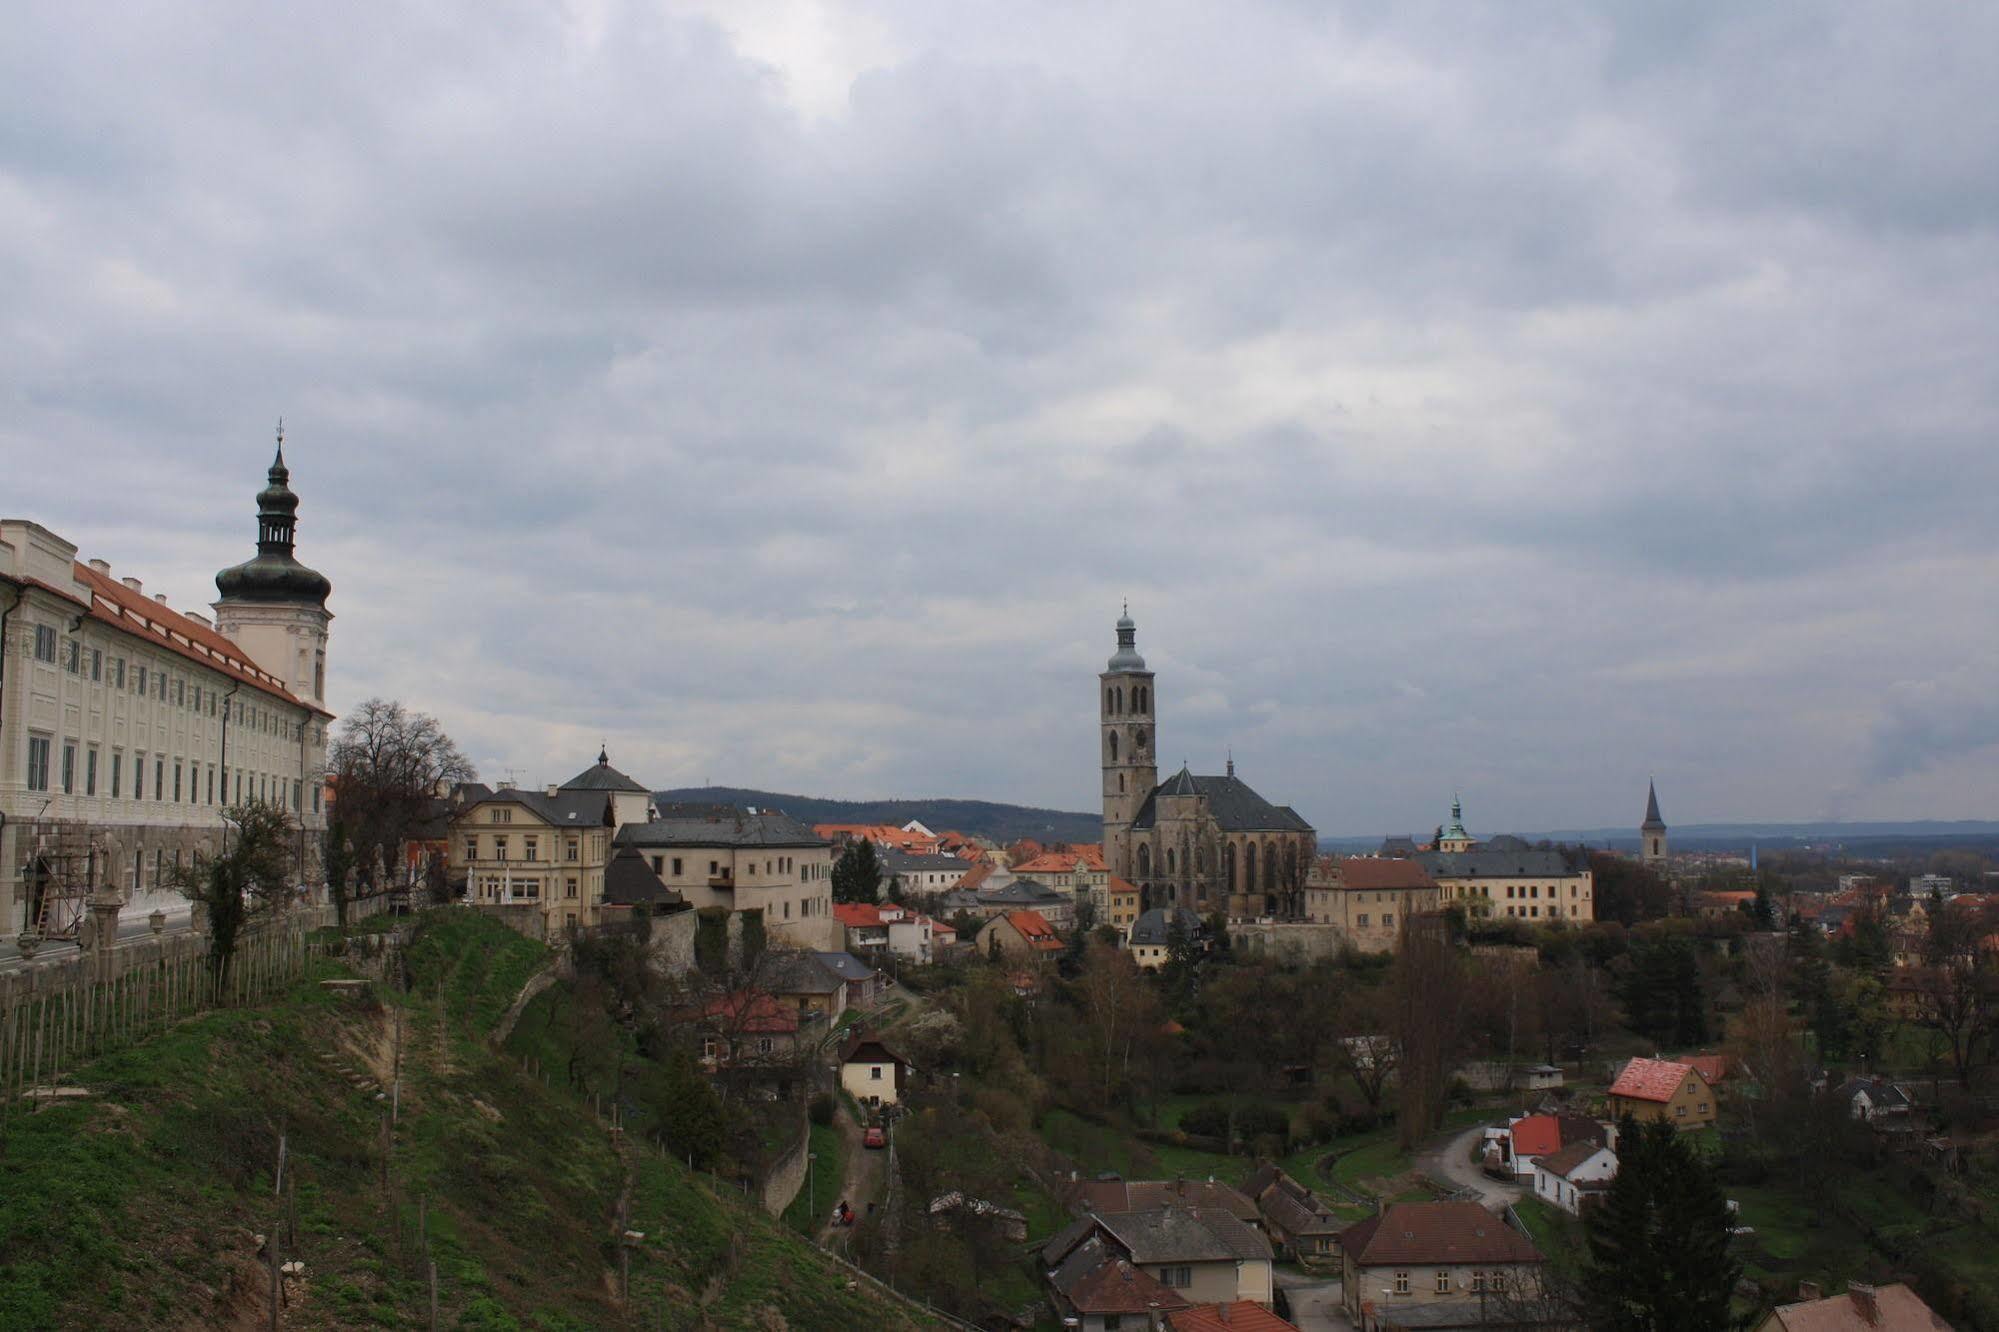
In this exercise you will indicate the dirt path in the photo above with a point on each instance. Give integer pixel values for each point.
(860, 1182)
(1449, 1159)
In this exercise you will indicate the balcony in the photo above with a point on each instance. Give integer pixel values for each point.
(722, 883)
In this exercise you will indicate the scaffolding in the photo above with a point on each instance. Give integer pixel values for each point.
(61, 866)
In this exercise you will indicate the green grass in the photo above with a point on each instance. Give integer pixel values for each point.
(807, 1213)
(135, 1208)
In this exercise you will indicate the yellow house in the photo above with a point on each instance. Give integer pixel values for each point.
(1662, 1089)
(872, 1073)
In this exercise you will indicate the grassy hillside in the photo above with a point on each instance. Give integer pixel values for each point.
(979, 818)
(139, 1206)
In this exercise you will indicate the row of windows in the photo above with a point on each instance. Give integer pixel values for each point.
(1140, 699)
(1533, 890)
(523, 890)
(148, 682)
(1480, 1282)
(1526, 911)
(530, 847)
(189, 786)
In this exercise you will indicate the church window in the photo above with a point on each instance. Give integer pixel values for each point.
(1169, 860)
(1269, 869)
(1144, 861)
(1249, 866)
(1144, 698)
(1228, 863)
(1114, 746)
(1138, 740)
(1120, 783)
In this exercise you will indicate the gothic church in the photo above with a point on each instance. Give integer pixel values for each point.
(1206, 843)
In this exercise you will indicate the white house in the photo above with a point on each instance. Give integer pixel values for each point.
(1567, 1177)
(872, 1073)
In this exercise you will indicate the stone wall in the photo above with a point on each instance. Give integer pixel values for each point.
(787, 1173)
(1285, 940)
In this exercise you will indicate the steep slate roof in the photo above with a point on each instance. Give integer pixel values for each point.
(847, 967)
(1489, 864)
(1441, 1233)
(1289, 1205)
(896, 861)
(1650, 1080)
(1397, 846)
(1156, 926)
(1231, 803)
(1896, 1309)
(1023, 892)
(603, 777)
(788, 972)
(1653, 823)
(629, 881)
(565, 809)
(1884, 1094)
(719, 825)
(862, 1047)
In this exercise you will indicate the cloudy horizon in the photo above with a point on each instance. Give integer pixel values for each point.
(1516, 400)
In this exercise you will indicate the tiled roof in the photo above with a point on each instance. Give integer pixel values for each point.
(1650, 1080)
(1034, 928)
(1138, 1195)
(1156, 926)
(846, 966)
(756, 1013)
(1024, 892)
(784, 972)
(858, 915)
(1370, 872)
(629, 881)
(1713, 1067)
(601, 776)
(1895, 1308)
(1442, 1233)
(112, 603)
(897, 861)
(1052, 862)
(1236, 1316)
(719, 825)
(1568, 1158)
(1116, 885)
(1184, 1234)
(564, 809)
(1116, 1287)
(1536, 1135)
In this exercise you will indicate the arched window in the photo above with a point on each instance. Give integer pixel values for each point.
(1120, 783)
(1110, 700)
(1269, 869)
(1290, 864)
(1144, 698)
(1228, 864)
(1169, 860)
(1249, 866)
(1114, 746)
(1144, 860)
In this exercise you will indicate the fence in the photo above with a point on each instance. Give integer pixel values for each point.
(60, 1013)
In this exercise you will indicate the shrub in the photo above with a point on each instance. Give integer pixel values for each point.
(1253, 1121)
(820, 1109)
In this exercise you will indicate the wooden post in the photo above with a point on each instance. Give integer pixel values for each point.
(433, 1297)
(279, 1185)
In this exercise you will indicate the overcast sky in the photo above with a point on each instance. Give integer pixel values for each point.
(1520, 400)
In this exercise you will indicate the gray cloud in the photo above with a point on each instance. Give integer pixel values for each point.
(1521, 399)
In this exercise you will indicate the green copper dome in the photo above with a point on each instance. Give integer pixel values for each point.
(274, 575)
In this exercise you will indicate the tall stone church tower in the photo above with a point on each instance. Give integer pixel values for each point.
(1652, 832)
(1131, 768)
(272, 606)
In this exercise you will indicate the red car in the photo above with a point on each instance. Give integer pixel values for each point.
(873, 1136)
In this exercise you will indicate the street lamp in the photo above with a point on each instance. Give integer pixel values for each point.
(811, 1186)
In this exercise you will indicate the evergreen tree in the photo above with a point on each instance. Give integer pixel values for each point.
(1764, 913)
(857, 874)
(1658, 1245)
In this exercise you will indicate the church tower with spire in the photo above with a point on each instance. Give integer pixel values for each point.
(1127, 740)
(272, 606)
(1652, 832)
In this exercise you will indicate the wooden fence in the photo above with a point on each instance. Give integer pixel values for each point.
(59, 1013)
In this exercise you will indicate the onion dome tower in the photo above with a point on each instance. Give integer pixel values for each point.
(272, 606)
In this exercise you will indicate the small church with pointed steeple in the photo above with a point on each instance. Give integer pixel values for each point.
(1652, 832)
(1205, 843)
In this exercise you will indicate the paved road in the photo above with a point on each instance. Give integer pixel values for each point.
(861, 1181)
(1451, 1160)
(1315, 1303)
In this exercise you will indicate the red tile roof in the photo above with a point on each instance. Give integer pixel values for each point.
(1034, 928)
(1713, 1067)
(1893, 1308)
(1117, 885)
(751, 1012)
(1443, 1233)
(1650, 1080)
(1368, 872)
(1239, 1316)
(1536, 1135)
(858, 915)
(1053, 862)
(112, 603)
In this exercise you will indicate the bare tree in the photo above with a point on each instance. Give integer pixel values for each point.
(1427, 994)
(1957, 991)
(250, 879)
(1122, 1010)
(389, 765)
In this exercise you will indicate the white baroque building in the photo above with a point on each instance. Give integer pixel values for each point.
(126, 727)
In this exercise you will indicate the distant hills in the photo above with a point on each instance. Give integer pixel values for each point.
(979, 818)
(1007, 823)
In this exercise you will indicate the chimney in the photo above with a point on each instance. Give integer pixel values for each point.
(1223, 1307)
(1809, 1290)
(198, 618)
(134, 584)
(550, 789)
(102, 566)
(160, 597)
(1864, 1302)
